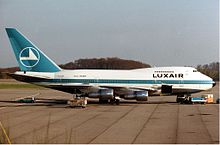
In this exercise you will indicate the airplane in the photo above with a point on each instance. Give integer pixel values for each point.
(106, 85)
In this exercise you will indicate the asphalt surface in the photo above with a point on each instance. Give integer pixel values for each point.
(160, 120)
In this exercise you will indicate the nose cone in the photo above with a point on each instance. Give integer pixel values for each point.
(213, 84)
(208, 79)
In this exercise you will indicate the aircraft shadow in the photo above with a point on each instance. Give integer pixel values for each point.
(62, 103)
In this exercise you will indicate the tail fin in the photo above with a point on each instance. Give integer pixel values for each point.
(28, 56)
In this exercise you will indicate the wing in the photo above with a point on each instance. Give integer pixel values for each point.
(87, 88)
(79, 88)
(126, 90)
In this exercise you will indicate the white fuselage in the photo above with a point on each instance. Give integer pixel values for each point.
(182, 79)
(39, 69)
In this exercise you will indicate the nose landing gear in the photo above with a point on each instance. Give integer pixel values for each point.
(115, 100)
(183, 99)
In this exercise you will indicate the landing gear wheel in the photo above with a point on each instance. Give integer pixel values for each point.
(117, 101)
(112, 101)
(177, 100)
(180, 99)
(183, 99)
(103, 101)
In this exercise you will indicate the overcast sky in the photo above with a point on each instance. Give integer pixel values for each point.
(157, 32)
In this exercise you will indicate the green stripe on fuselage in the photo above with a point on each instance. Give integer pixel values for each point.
(108, 81)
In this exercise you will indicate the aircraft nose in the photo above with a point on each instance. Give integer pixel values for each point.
(213, 84)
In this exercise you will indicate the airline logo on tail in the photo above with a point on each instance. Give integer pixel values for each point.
(29, 57)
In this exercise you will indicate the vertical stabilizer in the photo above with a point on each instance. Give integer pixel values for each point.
(28, 56)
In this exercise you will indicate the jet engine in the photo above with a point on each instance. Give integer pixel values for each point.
(139, 95)
(103, 93)
(166, 89)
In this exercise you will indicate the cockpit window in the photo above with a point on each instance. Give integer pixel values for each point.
(194, 70)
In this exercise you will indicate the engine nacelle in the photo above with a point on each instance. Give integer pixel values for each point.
(138, 95)
(166, 89)
(102, 93)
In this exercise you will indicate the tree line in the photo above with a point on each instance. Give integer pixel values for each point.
(211, 70)
(104, 63)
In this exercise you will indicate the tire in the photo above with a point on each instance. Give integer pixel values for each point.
(102, 101)
(117, 102)
(177, 100)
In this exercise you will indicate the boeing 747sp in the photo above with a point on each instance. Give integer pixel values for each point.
(137, 84)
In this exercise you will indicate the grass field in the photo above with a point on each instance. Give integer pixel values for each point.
(18, 86)
(13, 84)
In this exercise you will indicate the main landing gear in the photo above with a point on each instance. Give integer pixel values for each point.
(114, 100)
(183, 99)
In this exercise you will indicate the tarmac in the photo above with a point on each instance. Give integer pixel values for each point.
(160, 120)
